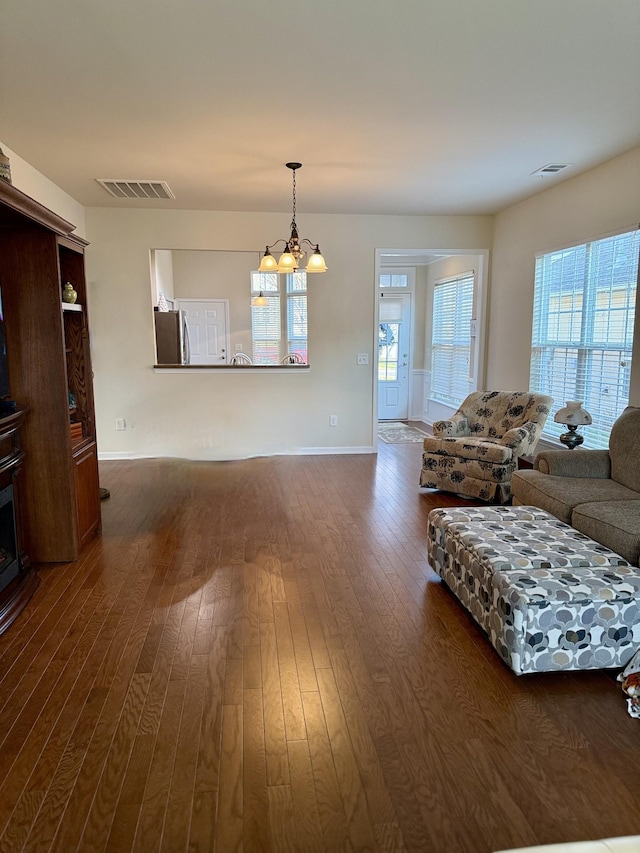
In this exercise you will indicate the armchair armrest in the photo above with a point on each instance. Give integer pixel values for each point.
(522, 439)
(594, 464)
(456, 425)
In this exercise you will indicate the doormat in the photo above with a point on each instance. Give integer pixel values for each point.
(398, 433)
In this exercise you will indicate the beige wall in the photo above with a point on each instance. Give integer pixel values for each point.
(161, 261)
(599, 202)
(231, 414)
(420, 311)
(27, 179)
(220, 275)
(236, 413)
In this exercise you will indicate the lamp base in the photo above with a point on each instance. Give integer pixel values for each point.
(572, 438)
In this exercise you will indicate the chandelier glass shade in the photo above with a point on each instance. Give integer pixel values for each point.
(293, 253)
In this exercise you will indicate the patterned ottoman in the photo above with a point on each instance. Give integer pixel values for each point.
(548, 597)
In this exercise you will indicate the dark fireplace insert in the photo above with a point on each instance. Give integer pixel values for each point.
(9, 562)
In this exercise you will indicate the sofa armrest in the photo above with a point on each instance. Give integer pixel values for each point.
(456, 425)
(595, 464)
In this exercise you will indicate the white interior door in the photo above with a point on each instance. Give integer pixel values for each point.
(393, 357)
(208, 325)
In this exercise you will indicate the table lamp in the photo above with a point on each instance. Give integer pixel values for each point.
(572, 416)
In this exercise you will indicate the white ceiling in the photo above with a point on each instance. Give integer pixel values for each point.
(393, 106)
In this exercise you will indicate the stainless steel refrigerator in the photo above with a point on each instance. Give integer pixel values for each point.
(172, 337)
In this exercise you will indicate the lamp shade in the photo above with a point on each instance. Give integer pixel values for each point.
(259, 301)
(268, 262)
(286, 262)
(573, 414)
(316, 262)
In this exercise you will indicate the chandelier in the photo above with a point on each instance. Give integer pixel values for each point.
(293, 254)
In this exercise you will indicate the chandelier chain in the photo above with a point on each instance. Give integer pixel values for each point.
(293, 221)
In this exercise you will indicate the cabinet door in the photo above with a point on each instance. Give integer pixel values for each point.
(87, 492)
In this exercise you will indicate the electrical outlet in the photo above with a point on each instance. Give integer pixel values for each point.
(238, 347)
(121, 424)
(333, 420)
(362, 358)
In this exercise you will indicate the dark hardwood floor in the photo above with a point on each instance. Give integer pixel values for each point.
(256, 656)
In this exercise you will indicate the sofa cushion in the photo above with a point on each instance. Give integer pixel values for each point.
(469, 448)
(626, 844)
(623, 449)
(614, 523)
(559, 495)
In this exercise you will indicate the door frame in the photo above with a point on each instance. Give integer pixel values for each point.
(402, 258)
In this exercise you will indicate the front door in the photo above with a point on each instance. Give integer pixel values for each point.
(393, 357)
(208, 329)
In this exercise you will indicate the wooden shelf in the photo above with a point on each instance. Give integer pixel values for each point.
(71, 306)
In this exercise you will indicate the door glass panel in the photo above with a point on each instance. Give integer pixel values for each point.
(388, 352)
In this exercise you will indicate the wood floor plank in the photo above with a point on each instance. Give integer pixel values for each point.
(210, 740)
(289, 684)
(305, 803)
(151, 817)
(275, 736)
(255, 815)
(181, 792)
(332, 821)
(282, 820)
(229, 823)
(359, 820)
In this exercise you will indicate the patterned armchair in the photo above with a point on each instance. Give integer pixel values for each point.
(476, 451)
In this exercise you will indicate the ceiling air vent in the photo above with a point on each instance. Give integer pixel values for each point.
(550, 169)
(136, 189)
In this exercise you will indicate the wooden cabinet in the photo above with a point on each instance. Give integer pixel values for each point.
(50, 374)
(18, 580)
(85, 464)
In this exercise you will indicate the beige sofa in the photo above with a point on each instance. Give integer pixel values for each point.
(597, 492)
(628, 844)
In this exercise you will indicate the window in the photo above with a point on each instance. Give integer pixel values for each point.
(279, 328)
(394, 280)
(583, 318)
(451, 339)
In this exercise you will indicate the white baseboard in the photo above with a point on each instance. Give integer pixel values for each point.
(302, 451)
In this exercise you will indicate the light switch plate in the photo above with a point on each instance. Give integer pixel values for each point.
(363, 358)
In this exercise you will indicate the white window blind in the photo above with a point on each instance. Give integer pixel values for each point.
(265, 323)
(391, 310)
(451, 339)
(583, 319)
